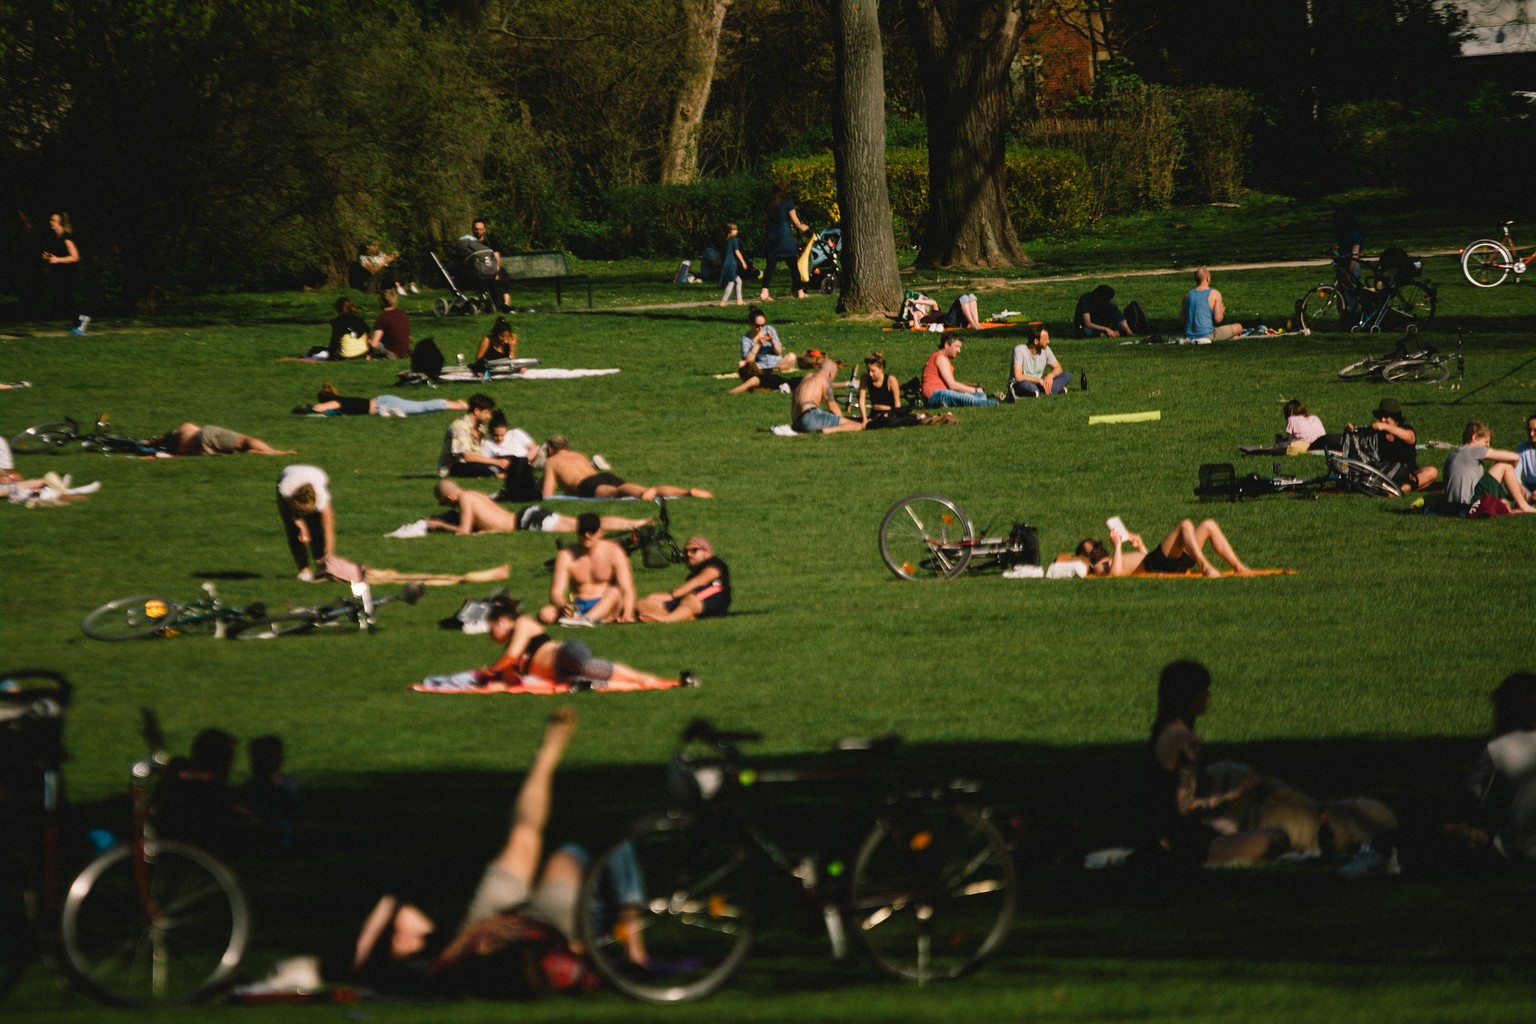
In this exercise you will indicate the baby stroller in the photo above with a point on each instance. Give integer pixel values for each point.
(825, 262)
(474, 272)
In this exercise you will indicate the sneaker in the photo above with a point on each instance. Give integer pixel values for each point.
(414, 289)
(410, 530)
(578, 685)
(689, 680)
(78, 332)
(1009, 397)
(90, 488)
(576, 620)
(600, 464)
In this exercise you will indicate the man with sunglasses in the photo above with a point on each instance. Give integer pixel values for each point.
(706, 592)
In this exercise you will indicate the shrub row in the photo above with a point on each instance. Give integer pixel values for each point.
(1049, 192)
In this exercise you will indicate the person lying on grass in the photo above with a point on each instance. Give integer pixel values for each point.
(706, 592)
(529, 651)
(193, 439)
(1182, 550)
(592, 581)
(570, 472)
(330, 402)
(518, 936)
(479, 513)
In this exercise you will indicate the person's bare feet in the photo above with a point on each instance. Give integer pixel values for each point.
(699, 492)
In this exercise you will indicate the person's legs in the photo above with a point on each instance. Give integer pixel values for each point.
(671, 491)
(944, 397)
(1248, 847)
(1226, 332)
(1209, 532)
(1025, 389)
(768, 264)
(1509, 477)
(257, 446)
(655, 609)
(1059, 385)
(967, 304)
(519, 856)
(1421, 478)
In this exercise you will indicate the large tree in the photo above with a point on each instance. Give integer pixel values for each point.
(871, 282)
(703, 21)
(964, 51)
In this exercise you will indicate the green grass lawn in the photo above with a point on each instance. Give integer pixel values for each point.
(1366, 672)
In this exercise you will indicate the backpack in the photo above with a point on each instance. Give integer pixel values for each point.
(1136, 318)
(427, 358)
(519, 483)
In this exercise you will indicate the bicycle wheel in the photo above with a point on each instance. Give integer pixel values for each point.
(668, 914)
(1422, 371)
(1485, 263)
(179, 948)
(1363, 370)
(1322, 309)
(275, 626)
(1363, 479)
(44, 437)
(130, 618)
(933, 891)
(926, 536)
(1412, 302)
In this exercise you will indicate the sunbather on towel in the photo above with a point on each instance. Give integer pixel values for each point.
(572, 472)
(529, 651)
(1182, 550)
(479, 513)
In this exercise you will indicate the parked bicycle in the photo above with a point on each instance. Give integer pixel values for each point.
(52, 437)
(1387, 294)
(150, 615)
(928, 536)
(1353, 468)
(1409, 362)
(928, 891)
(150, 922)
(1488, 262)
(354, 610)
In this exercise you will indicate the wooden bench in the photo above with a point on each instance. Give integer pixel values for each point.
(543, 268)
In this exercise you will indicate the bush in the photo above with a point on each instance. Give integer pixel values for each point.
(1218, 129)
(668, 220)
(1050, 191)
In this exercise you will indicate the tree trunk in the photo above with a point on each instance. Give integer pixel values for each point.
(964, 50)
(700, 39)
(870, 280)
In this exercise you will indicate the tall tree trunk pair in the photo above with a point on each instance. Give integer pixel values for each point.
(964, 51)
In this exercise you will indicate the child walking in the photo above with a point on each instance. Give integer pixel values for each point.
(731, 265)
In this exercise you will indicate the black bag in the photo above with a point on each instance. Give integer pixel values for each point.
(1027, 539)
(519, 484)
(1136, 319)
(427, 358)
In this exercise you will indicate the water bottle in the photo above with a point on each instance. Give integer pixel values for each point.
(1082, 381)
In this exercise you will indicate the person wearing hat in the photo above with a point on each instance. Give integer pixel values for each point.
(1097, 316)
(706, 592)
(1399, 458)
(813, 409)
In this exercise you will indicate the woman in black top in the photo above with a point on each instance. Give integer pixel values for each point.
(349, 332)
(62, 259)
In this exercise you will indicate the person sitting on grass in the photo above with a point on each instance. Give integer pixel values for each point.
(518, 937)
(1183, 830)
(529, 651)
(1182, 550)
(1397, 448)
(193, 439)
(1097, 316)
(705, 594)
(500, 342)
(349, 332)
(1467, 481)
(960, 315)
(592, 581)
(462, 444)
(1204, 312)
(479, 513)
(330, 402)
(570, 472)
(940, 388)
(813, 405)
(761, 346)
(1035, 371)
(1303, 431)
(1527, 453)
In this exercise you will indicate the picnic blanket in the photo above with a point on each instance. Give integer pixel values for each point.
(458, 684)
(464, 375)
(1074, 569)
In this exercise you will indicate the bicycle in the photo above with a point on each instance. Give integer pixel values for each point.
(149, 922)
(356, 609)
(1487, 263)
(1406, 364)
(52, 437)
(1374, 301)
(1350, 469)
(151, 615)
(929, 891)
(928, 536)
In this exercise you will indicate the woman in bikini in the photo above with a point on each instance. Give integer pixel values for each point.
(1182, 550)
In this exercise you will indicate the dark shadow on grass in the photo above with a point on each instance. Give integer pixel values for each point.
(428, 834)
(225, 574)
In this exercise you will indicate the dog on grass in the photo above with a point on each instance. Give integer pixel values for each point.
(1273, 804)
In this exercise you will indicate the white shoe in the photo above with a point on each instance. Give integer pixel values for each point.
(410, 530)
(600, 464)
(90, 488)
(414, 289)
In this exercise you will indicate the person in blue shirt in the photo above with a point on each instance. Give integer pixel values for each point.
(1204, 312)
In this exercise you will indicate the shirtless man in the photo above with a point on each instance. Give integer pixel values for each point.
(812, 393)
(193, 439)
(593, 581)
(571, 472)
(479, 513)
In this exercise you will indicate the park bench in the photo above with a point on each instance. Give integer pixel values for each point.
(543, 268)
